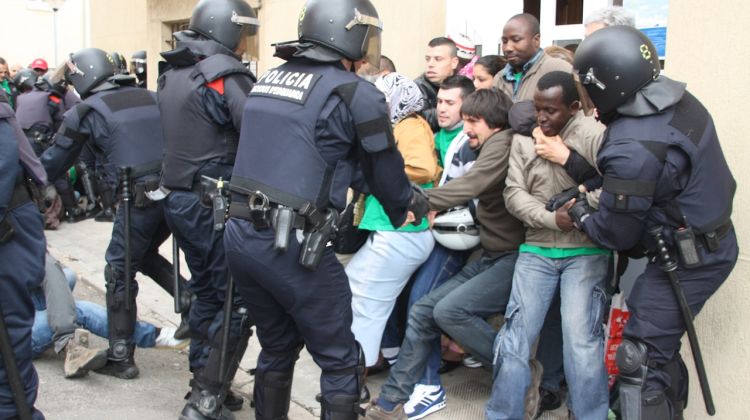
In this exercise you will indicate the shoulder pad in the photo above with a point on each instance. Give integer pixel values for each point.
(75, 115)
(220, 65)
(370, 114)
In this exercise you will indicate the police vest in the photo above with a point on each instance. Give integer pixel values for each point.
(192, 137)
(278, 152)
(33, 108)
(706, 201)
(135, 134)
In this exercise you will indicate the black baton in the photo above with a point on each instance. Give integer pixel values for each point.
(228, 298)
(176, 285)
(11, 370)
(126, 198)
(669, 265)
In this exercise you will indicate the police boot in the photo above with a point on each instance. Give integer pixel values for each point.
(73, 213)
(341, 407)
(107, 214)
(272, 395)
(205, 403)
(121, 323)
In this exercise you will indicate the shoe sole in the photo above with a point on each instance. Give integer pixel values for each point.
(182, 346)
(437, 407)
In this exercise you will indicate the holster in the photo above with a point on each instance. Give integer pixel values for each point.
(315, 242)
(140, 199)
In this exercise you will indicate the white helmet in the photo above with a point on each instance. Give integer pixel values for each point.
(456, 229)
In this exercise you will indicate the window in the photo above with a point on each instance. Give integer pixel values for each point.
(569, 12)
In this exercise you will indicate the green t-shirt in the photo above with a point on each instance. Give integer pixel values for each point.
(555, 253)
(376, 219)
(443, 139)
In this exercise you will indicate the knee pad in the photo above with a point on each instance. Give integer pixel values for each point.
(632, 361)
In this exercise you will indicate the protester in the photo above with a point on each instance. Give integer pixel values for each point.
(441, 61)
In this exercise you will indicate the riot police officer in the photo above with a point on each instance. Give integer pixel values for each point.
(663, 170)
(22, 243)
(120, 125)
(201, 99)
(313, 122)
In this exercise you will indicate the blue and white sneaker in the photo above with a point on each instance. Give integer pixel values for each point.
(425, 400)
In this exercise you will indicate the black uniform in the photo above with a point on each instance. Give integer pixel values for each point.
(121, 127)
(24, 247)
(313, 123)
(667, 169)
(201, 100)
(39, 113)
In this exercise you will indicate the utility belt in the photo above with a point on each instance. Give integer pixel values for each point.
(20, 197)
(141, 187)
(687, 242)
(319, 227)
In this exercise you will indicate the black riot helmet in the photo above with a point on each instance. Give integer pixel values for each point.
(25, 80)
(51, 83)
(614, 63)
(121, 66)
(88, 68)
(224, 21)
(349, 27)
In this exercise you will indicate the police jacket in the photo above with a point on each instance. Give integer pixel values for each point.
(312, 124)
(201, 100)
(39, 107)
(664, 168)
(120, 126)
(429, 92)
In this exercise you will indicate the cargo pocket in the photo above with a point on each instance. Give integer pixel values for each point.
(598, 301)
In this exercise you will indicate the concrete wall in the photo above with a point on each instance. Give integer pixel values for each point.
(707, 48)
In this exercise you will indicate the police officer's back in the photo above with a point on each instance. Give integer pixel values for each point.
(22, 247)
(663, 171)
(313, 123)
(119, 125)
(38, 110)
(201, 98)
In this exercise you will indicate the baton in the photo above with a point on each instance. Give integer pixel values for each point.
(126, 198)
(669, 265)
(11, 370)
(176, 285)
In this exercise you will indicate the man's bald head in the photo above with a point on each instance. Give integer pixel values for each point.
(530, 22)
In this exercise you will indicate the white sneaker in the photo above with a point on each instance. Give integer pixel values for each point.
(471, 362)
(425, 400)
(166, 339)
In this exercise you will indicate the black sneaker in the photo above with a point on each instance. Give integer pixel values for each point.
(549, 400)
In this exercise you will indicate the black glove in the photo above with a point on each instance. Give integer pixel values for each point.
(419, 205)
(580, 211)
(558, 200)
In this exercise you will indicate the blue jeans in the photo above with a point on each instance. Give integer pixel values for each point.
(582, 300)
(442, 264)
(92, 317)
(458, 307)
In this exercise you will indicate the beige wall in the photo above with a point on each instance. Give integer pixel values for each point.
(424, 18)
(407, 28)
(708, 50)
(119, 26)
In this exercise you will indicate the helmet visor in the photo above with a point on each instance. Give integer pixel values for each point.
(249, 24)
(371, 46)
(371, 42)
